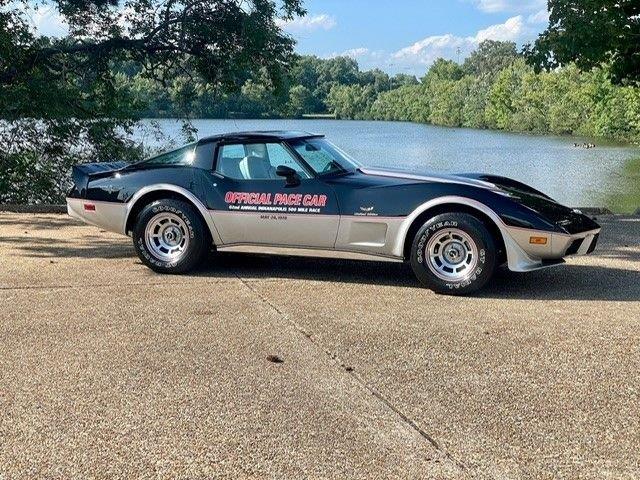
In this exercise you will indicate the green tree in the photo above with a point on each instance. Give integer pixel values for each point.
(305, 71)
(376, 78)
(406, 103)
(351, 101)
(531, 103)
(151, 95)
(402, 79)
(333, 72)
(475, 103)
(300, 101)
(446, 100)
(589, 33)
(617, 111)
(570, 112)
(490, 58)
(443, 70)
(500, 101)
(63, 101)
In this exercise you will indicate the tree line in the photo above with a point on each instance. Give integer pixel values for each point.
(494, 88)
(303, 89)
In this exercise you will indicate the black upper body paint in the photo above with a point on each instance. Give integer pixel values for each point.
(349, 193)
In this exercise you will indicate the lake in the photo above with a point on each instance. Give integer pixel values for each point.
(605, 176)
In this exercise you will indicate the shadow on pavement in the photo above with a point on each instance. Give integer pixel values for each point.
(38, 222)
(567, 282)
(621, 253)
(96, 247)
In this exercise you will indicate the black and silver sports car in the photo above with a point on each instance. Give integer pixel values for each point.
(274, 190)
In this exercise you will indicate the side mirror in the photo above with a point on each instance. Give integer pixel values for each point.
(293, 179)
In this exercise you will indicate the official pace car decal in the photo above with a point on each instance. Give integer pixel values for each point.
(275, 202)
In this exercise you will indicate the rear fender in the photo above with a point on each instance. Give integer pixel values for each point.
(189, 196)
(84, 172)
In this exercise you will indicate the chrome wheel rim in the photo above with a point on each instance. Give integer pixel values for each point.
(452, 254)
(167, 237)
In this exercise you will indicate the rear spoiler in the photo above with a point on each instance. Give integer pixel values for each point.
(85, 171)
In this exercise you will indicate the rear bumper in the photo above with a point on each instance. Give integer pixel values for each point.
(108, 215)
(527, 256)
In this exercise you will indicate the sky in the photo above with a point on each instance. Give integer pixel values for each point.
(397, 36)
(406, 36)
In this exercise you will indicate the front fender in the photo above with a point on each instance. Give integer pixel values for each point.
(517, 259)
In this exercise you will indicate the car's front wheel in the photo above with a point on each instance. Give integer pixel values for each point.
(170, 237)
(453, 253)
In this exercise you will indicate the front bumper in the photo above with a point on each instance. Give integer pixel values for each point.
(524, 256)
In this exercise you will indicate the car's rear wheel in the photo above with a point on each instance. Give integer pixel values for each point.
(453, 253)
(170, 237)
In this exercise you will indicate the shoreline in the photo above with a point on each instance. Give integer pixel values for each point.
(603, 141)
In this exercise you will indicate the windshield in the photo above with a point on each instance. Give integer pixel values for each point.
(324, 157)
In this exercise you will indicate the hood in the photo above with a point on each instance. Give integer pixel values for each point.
(471, 180)
(493, 183)
(565, 218)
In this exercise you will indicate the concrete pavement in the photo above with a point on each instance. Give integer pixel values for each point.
(110, 370)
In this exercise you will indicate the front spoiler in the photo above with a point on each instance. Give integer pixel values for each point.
(524, 256)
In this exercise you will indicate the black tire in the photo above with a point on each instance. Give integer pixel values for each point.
(189, 227)
(452, 251)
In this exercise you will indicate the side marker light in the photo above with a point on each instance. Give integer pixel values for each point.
(538, 240)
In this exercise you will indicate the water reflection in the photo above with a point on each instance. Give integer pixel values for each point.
(623, 190)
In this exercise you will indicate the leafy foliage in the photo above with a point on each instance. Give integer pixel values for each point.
(516, 98)
(590, 33)
(64, 100)
(312, 85)
(490, 58)
(78, 99)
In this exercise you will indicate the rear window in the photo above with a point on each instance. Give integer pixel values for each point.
(182, 156)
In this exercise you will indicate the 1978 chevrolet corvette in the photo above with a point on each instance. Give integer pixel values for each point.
(295, 189)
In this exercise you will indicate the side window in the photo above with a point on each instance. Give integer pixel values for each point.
(233, 151)
(279, 155)
(255, 161)
(228, 161)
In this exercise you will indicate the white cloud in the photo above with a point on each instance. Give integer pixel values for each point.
(541, 17)
(417, 56)
(421, 54)
(511, 30)
(307, 24)
(495, 6)
(352, 53)
(47, 21)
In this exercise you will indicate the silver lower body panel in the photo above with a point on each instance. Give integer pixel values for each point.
(349, 236)
(108, 215)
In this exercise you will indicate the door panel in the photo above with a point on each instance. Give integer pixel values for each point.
(271, 213)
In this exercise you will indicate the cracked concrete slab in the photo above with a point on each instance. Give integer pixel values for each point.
(142, 383)
(533, 378)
